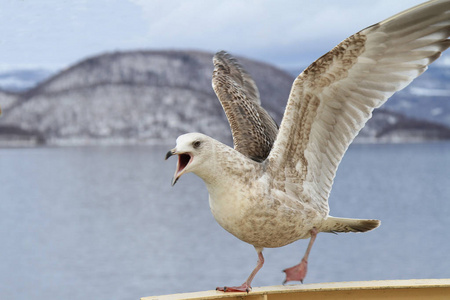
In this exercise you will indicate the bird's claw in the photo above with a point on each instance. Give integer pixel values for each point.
(243, 288)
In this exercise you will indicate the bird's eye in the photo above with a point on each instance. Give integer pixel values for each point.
(196, 144)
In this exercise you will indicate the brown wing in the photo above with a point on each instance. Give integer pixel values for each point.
(333, 98)
(253, 129)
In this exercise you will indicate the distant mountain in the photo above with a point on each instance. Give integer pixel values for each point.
(153, 96)
(390, 127)
(427, 98)
(19, 80)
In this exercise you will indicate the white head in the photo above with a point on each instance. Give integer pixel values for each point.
(193, 149)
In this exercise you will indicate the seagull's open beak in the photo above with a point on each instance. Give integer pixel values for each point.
(184, 159)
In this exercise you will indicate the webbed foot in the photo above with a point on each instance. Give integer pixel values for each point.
(297, 272)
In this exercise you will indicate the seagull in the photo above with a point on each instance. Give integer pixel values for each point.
(272, 188)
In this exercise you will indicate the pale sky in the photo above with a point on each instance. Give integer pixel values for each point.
(287, 33)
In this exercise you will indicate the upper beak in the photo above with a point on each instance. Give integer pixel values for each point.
(170, 153)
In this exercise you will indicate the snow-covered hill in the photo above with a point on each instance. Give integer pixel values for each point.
(7, 99)
(153, 96)
(136, 97)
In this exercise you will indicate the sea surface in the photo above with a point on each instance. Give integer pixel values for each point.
(105, 223)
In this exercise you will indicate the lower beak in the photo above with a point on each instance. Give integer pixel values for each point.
(175, 179)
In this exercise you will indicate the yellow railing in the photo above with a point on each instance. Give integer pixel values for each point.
(384, 289)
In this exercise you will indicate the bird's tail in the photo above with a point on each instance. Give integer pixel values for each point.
(333, 224)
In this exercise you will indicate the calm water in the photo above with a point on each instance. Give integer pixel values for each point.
(104, 223)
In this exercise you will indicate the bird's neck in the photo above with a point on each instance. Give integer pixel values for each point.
(224, 167)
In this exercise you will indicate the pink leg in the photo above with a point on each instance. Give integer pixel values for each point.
(298, 272)
(246, 286)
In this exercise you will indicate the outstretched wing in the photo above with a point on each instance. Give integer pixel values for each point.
(254, 131)
(333, 98)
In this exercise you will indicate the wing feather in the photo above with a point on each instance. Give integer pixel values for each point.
(332, 99)
(253, 129)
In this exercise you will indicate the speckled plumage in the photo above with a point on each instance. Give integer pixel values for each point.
(253, 129)
(272, 193)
